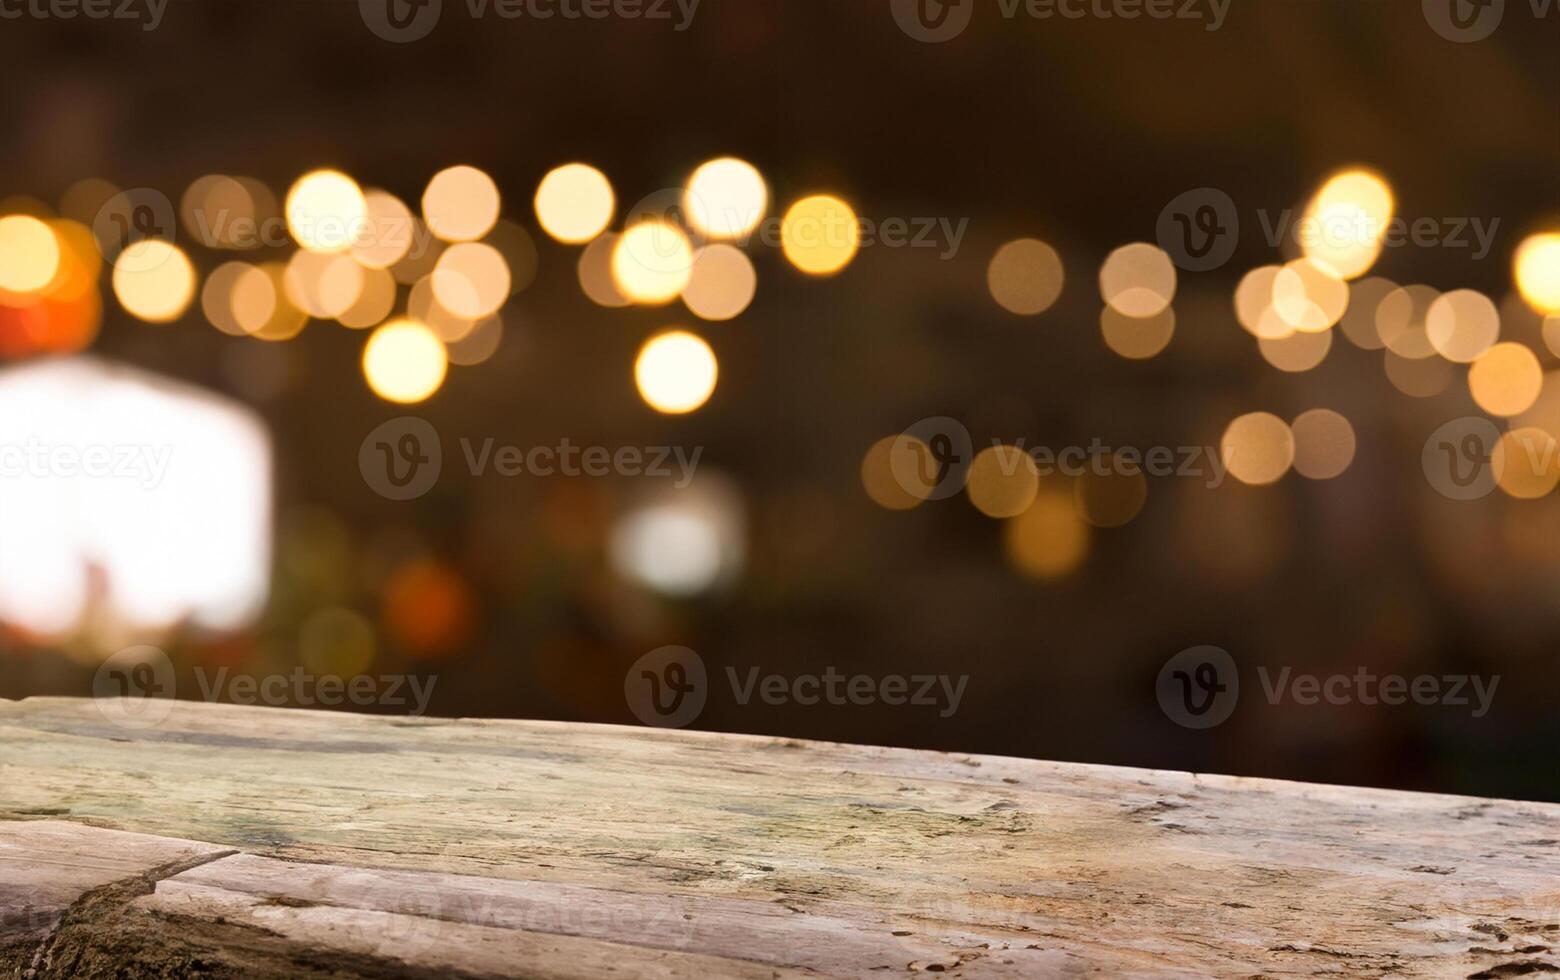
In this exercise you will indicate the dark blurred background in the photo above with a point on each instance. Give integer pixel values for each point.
(1077, 132)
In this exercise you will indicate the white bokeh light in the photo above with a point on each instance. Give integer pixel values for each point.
(128, 503)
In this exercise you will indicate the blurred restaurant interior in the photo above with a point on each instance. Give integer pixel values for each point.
(769, 252)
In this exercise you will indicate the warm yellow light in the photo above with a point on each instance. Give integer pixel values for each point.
(373, 304)
(1309, 296)
(1113, 497)
(404, 362)
(820, 235)
(1138, 280)
(595, 272)
(321, 284)
(1257, 448)
(471, 280)
(1048, 540)
(675, 372)
(1346, 221)
(1025, 276)
(460, 204)
(890, 476)
(652, 262)
(326, 211)
(1506, 379)
(1134, 338)
(1462, 324)
(726, 198)
(1297, 351)
(1254, 304)
(722, 283)
(1526, 462)
(1324, 444)
(387, 233)
(29, 254)
(154, 280)
(1537, 271)
(1002, 481)
(574, 203)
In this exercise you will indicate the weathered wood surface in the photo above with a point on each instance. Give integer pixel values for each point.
(256, 842)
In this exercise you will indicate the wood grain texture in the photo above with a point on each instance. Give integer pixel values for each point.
(260, 842)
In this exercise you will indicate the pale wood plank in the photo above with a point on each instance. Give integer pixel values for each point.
(495, 848)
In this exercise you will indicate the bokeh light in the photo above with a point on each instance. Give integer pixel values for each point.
(1506, 379)
(722, 283)
(1049, 540)
(726, 198)
(1324, 443)
(820, 235)
(1257, 448)
(1025, 276)
(404, 362)
(460, 204)
(1138, 280)
(595, 273)
(1110, 493)
(323, 285)
(652, 262)
(1536, 268)
(29, 253)
(1462, 324)
(1309, 296)
(374, 302)
(574, 203)
(154, 280)
(675, 372)
(1296, 352)
(1137, 338)
(1346, 221)
(326, 211)
(1358, 322)
(388, 231)
(1526, 462)
(1401, 321)
(890, 474)
(471, 280)
(1002, 481)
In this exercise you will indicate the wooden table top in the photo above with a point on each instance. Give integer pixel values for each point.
(264, 842)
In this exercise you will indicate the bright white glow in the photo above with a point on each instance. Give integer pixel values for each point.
(684, 542)
(128, 503)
